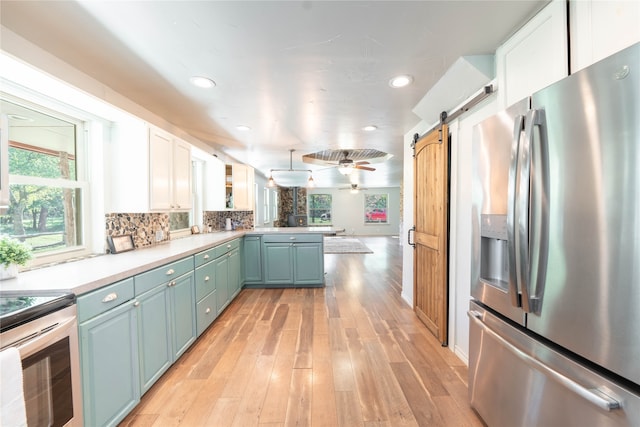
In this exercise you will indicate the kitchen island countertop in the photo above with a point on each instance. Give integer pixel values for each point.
(88, 274)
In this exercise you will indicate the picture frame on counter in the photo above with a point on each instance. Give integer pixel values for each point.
(118, 244)
(195, 229)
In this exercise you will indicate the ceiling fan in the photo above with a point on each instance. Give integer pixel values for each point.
(354, 188)
(346, 165)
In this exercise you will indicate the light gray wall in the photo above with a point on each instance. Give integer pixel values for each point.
(348, 211)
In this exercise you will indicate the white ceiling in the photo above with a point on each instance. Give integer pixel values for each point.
(303, 75)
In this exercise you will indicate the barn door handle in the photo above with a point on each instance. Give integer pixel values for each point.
(409, 236)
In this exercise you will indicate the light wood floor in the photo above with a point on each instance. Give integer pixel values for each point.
(350, 354)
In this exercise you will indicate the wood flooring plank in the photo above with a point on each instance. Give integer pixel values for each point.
(224, 411)
(241, 374)
(323, 408)
(397, 408)
(279, 317)
(348, 409)
(368, 392)
(424, 409)
(305, 336)
(299, 403)
(252, 399)
(274, 409)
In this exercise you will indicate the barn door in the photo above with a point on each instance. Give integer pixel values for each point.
(431, 213)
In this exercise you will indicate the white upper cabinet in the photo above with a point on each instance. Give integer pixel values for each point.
(601, 28)
(243, 178)
(214, 186)
(169, 172)
(535, 57)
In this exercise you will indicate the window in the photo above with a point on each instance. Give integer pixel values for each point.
(47, 191)
(319, 209)
(267, 207)
(275, 205)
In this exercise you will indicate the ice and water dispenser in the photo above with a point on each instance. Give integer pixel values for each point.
(494, 255)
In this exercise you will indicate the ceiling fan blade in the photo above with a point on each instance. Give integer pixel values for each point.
(364, 162)
(365, 168)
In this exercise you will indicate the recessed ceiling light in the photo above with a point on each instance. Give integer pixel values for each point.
(203, 82)
(370, 128)
(243, 128)
(400, 81)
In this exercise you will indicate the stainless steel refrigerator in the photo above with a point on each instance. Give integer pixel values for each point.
(555, 291)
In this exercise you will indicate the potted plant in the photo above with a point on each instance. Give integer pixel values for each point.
(12, 254)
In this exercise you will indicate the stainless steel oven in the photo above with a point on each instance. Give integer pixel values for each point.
(44, 329)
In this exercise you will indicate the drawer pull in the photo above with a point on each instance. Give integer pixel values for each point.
(228, 246)
(207, 311)
(292, 238)
(170, 271)
(206, 256)
(206, 278)
(110, 297)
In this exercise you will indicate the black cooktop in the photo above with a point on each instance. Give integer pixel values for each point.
(16, 308)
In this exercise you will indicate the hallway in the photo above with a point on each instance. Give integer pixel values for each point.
(350, 354)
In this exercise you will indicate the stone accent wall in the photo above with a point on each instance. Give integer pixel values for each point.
(142, 226)
(285, 204)
(217, 219)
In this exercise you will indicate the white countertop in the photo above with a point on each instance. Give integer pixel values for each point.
(89, 274)
(92, 273)
(295, 230)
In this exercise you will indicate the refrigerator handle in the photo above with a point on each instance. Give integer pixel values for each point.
(512, 197)
(593, 396)
(535, 221)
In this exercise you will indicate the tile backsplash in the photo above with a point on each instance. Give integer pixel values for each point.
(142, 226)
(149, 229)
(217, 219)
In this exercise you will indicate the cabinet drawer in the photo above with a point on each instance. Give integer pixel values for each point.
(292, 238)
(205, 280)
(152, 278)
(226, 247)
(204, 257)
(103, 299)
(205, 312)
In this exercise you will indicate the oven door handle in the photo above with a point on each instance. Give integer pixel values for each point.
(44, 337)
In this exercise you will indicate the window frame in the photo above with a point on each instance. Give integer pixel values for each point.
(83, 124)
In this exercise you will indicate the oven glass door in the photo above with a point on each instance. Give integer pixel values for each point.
(48, 385)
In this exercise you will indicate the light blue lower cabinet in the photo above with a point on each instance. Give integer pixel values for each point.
(308, 265)
(154, 335)
(252, 259)
(109, 365)
(206, 312)
(222, 280)
(235, 274)
(278, 263)
(183, 314)
(291, 260)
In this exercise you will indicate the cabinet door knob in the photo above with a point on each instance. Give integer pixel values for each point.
(136, 304)
(228, 246)
(206, 256)
(170, 271)
(110, 297)
(207, 311)
(171, 283)
(206, 278)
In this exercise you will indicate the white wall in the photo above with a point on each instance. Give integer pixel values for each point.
(348, 211)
